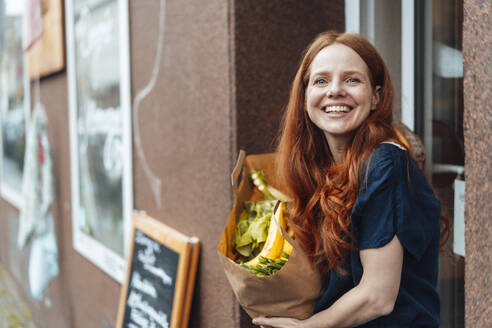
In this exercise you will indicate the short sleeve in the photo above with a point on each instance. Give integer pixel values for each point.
(395, 199)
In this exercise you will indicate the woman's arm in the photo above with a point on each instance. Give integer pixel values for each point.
(373, 297)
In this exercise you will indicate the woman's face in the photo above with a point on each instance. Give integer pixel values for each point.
(339, 95)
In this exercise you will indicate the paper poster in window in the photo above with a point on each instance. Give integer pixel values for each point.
(99, 99)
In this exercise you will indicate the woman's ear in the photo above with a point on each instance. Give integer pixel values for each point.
(375, 97)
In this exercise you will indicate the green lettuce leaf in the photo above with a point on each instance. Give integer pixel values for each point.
(252, 229)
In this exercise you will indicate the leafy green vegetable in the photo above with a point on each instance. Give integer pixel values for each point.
(242, 236)
(252, 229)
(265, 267)
(258, 229)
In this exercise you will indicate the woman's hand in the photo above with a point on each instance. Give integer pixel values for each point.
(278, 322)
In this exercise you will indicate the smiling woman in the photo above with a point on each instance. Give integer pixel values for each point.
(339, 95)
(362, 209)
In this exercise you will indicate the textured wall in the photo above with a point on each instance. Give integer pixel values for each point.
(477, 54)
(187, 133)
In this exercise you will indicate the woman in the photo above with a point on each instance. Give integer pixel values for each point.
(362, 209)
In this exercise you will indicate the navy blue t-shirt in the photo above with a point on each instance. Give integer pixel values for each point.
(396, 200)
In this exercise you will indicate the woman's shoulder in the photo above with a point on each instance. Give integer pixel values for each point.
(392, 164)
(389, 149)
(387, 156)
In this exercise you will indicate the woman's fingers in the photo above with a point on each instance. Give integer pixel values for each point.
(277, 322)
(258, 321)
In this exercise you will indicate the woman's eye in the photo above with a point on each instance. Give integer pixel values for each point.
(353, 80)
(320, 81)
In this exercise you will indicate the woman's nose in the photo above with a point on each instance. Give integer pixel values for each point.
(335, 89)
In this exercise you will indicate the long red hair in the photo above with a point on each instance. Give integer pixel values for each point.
(324, 192)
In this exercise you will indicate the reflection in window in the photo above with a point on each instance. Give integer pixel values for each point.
(447, 140)
(99, 122)
(13, 98)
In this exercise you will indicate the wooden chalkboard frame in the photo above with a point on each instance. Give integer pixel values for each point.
(186, 247)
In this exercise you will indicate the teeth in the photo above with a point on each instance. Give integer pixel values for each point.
(337, 109)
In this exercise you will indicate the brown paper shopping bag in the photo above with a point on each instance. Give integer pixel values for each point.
(294, 289)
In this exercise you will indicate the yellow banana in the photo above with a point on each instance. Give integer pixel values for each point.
(287, 247)
(290, 232)
(275, 241)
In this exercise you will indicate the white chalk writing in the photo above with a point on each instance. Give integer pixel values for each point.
(135, 301)
(154, 180)
(139, 318)
(145, 257)
(143, 285)
(141, 239)
(166, 279)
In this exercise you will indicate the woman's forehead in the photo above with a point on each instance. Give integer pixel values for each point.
(337, 58)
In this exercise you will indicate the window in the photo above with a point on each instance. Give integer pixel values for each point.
(14, 101)
(439, 123)
(100, 130)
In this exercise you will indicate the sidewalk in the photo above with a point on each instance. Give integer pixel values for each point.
(14, 313)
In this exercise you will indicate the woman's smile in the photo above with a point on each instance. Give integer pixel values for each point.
(337, 109)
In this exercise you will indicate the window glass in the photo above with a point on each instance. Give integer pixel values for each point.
(13, 100)
(99, 101)
(99, 122)
(447, 141)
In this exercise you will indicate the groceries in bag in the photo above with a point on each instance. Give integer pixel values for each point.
(261, 248)
(291, 291)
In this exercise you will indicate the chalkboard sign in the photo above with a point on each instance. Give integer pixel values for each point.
(160, 277)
